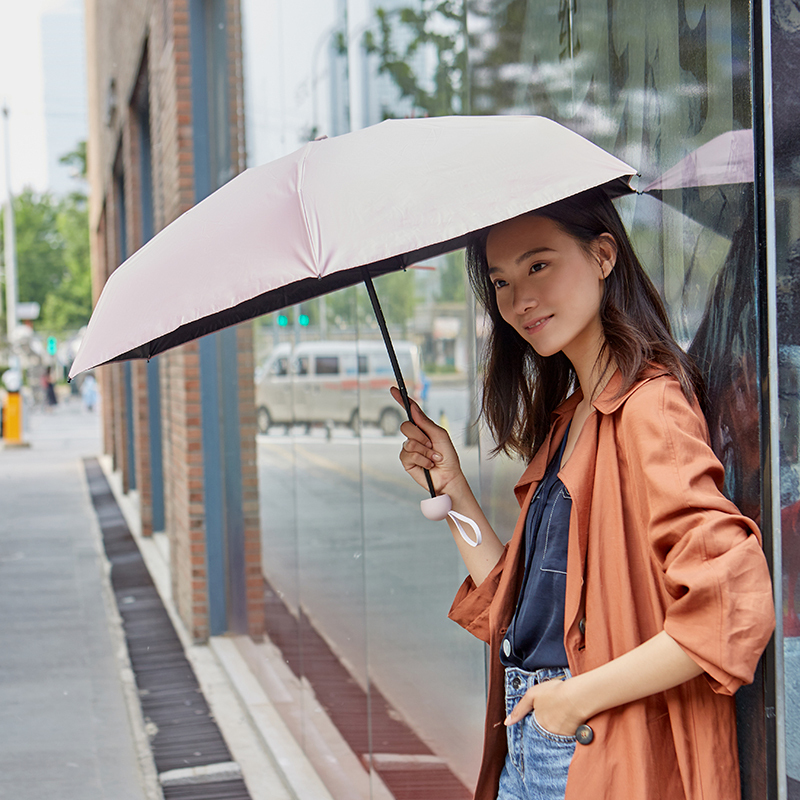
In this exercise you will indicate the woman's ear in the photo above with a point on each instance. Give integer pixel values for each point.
(605, 249)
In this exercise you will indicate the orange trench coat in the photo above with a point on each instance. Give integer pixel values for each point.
(653, 545)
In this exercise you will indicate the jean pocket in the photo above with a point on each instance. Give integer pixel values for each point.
(553, 737)
(514, 735)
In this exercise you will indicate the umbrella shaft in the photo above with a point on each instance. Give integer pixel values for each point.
(387, 340)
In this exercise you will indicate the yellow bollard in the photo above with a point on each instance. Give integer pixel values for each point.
(12, 421)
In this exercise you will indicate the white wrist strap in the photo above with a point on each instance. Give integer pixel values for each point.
(455, 516)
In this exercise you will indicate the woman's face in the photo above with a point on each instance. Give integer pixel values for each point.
(548, 287)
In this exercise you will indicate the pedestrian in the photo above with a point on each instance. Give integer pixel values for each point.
(49, 389)
(633, 598)
(89, 392)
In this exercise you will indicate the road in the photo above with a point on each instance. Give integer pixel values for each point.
(343, 536)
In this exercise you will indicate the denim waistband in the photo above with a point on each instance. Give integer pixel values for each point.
(519, 680)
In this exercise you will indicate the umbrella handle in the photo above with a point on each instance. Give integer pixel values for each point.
(441, 507)
(434, 508)
(387, 340)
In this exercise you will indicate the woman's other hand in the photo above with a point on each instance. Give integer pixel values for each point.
(555, 710)
(427, 446)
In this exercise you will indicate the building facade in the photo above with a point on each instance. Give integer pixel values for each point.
(342, 601)
(166, 129)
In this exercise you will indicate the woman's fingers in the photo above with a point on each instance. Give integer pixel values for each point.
(521, 709)
(555, 711)
(417, 414)
(414, 453)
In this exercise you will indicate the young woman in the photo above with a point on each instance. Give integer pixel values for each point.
(633, 599)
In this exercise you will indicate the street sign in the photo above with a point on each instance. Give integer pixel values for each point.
(28, 310)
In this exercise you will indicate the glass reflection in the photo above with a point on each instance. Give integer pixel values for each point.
(786, 104)
(361, 582)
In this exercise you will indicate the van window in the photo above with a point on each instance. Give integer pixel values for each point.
(301, 365)
(280, 366)
(363, 365)
(326, 365)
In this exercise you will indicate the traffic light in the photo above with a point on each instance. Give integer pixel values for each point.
(52, 345)
(283, 320)
(303, 319)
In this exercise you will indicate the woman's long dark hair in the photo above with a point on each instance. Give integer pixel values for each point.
(521, 389)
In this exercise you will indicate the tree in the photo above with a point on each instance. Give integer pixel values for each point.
(451, 278)
(351, 307)
(405, 32)
(53, 270)
(69, 306)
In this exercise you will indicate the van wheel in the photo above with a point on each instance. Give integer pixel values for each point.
(263, 419)
(355, 422)
(390, 422)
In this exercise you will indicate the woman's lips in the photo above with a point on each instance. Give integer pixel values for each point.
(537, 325)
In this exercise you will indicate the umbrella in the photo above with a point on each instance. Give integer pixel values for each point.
(723, 164)
(334, 213)
(726, 159)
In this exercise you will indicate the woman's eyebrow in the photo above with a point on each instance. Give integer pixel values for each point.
(523, 257)
(534, 252)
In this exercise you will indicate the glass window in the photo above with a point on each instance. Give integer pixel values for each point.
(785, 36)
(360, 582)
(301, 366)
(326, 365)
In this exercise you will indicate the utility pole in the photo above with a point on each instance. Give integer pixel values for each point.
(10, 250)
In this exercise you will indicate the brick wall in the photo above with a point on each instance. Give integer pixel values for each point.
(125, 38)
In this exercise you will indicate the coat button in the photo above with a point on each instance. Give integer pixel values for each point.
(506, 648)
(582, 626)
(516, 682)
(584, 734)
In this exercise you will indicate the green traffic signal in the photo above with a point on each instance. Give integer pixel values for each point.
(303, 319)
(52, 345)
(283, 320)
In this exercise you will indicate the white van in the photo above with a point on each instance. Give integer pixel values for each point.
(344, 383)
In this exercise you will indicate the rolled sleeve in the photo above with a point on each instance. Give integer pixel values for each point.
(719, 593)
(470, 608)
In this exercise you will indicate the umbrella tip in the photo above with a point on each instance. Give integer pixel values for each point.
(321, 137)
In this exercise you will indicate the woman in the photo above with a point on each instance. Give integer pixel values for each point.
(633, 598)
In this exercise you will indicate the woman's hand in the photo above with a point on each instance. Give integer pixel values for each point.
(555, 710)
(428, 446)
(653, 666)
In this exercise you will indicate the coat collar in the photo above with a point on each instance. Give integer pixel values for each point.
(607, 402)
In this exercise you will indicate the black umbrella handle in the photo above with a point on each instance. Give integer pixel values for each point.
(387, 340)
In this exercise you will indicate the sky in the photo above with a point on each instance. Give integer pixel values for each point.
(22, 90)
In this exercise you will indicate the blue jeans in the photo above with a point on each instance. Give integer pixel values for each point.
(537, 761)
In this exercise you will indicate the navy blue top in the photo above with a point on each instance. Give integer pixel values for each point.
(535, 637)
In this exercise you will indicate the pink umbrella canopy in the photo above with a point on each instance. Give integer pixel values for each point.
(331, 215)
(726, 159)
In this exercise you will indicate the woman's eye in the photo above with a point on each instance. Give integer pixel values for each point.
(539, 265)
(499, 284)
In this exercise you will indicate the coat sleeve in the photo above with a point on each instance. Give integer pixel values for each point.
(470, 608)
(719, 593)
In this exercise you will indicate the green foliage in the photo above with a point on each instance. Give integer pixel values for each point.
(52, 238)
(405, 32)
(77, 160)
(70, 305)
(351, 307)
(451, 278)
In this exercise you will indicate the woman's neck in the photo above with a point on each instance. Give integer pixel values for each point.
(593, 376)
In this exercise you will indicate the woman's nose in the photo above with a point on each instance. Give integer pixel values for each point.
(523, 299)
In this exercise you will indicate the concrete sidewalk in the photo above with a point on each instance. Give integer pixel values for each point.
(65, 728)
(71, 725)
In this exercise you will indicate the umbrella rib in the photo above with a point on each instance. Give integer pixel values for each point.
(300, 179)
